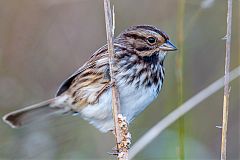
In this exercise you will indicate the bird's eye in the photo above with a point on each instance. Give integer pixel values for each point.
(151, 40)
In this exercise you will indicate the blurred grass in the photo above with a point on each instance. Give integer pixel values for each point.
(179, 74)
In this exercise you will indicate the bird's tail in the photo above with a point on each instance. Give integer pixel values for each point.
(35, 112)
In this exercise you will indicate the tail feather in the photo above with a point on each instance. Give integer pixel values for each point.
(32, 113)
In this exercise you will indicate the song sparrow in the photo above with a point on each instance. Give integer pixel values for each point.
(139, 73)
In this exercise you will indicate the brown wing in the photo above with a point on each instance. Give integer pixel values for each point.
(90, 81)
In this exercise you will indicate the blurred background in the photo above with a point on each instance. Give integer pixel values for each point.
(42, 42)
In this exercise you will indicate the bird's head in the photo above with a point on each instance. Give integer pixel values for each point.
(146, 40)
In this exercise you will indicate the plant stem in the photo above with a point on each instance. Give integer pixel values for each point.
(122, 137)
(179, 74)
(226, 83)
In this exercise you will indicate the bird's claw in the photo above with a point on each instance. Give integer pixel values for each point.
(113, 153)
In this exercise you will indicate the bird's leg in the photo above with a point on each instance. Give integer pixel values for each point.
(114, 152)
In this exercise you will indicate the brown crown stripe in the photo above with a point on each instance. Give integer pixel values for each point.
(163, 34)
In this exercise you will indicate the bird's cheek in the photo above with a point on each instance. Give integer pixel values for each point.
(141, 53)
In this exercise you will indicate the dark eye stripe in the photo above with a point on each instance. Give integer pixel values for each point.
(144, 48)
(135, 36)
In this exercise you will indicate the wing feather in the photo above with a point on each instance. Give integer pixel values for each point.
(88, 82)
(88, 65)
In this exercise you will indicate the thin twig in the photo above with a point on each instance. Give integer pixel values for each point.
(179, 112)
(122, 136)
(110, 35)
(226, 83)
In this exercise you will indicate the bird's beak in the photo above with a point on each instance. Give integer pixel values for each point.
(168, 46)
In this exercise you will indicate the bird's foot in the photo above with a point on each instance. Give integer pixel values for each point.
(114, 152)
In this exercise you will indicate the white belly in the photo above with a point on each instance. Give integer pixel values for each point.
(132, 101)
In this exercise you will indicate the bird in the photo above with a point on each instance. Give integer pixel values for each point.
(138, 69)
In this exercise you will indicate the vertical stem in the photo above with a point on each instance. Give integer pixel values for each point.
(115, 96)
(122, 136)
(179, 73)
(226, 83)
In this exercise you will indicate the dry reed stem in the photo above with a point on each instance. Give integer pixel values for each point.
(122, 136)
(179, 112)
(226, 83)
